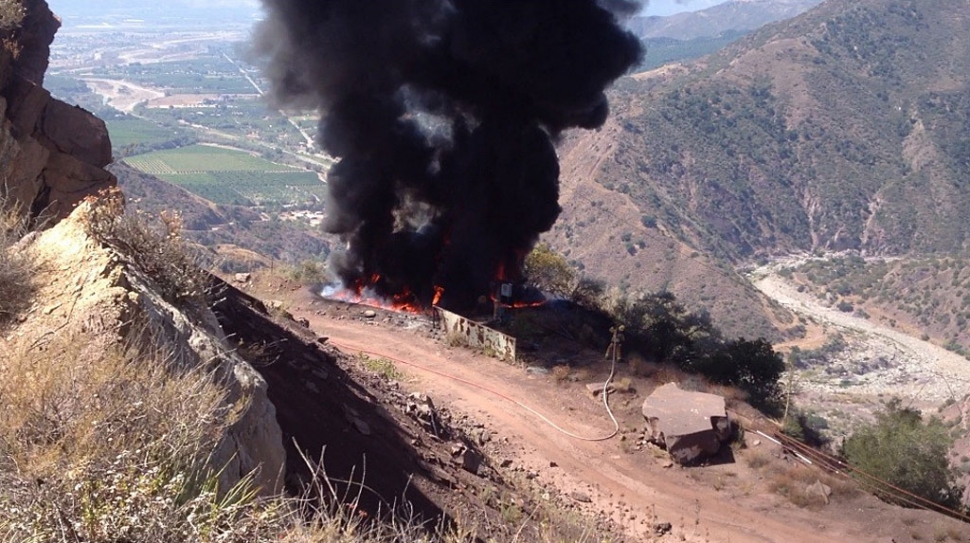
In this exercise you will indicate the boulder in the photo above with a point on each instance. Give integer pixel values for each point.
(690, 425)
(76, 132)
(53, 154)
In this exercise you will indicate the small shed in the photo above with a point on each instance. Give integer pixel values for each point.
(690, 425)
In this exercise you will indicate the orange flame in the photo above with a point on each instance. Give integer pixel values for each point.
(438, 291)
(362, 292)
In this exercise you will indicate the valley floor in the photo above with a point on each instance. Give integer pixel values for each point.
(920, 373)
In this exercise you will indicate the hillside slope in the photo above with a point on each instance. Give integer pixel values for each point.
(846, 127)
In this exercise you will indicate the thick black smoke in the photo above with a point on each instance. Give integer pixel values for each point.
(443, 114)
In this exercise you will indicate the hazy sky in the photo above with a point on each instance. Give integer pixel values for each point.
(653, 7)
(670, 7)
(72, 5)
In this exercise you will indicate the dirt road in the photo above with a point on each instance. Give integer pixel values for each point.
(727, 502)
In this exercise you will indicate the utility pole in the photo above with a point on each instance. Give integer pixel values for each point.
(616, 342)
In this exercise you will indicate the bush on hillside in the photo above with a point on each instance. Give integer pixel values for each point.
(588, 293)
(16, 267)
(309, 273)
(752, 366)
(906, 451)
(155, 247)
(12, 14)
(549, 271)
(663, 330)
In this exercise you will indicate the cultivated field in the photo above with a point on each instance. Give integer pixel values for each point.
(227, 176)
(135, 131)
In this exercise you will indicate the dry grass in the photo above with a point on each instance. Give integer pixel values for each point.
(457, 340)
(669, 374)
(793, 481)
(733, 395)
(119, 440)
(757, 459)
(114, 446)
(640, 367)
(16, 266)
(561, 374)
(624, 385)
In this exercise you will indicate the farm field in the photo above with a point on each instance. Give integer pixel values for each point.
(227, 176)
(134, 131)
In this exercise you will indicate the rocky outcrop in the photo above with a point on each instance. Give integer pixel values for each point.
(53, 154)
(92, 292)
(690, 425)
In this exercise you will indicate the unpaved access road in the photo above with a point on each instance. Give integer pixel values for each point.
(728, 502)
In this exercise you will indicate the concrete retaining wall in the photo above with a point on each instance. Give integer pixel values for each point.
(477, 335)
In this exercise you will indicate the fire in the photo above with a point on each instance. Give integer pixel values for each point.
(438, 291)
(364, 292)
(515, 304)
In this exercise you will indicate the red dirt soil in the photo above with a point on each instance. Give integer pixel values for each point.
(635, 487)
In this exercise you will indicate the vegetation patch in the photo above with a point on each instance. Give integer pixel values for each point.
(115, 446)
(154, 246)
(16, 266)
(929, 292)
(906, 451)
(381, 366)
(12, 13)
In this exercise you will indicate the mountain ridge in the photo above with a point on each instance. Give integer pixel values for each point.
(809, 132)
(735, 15)
(812, 134)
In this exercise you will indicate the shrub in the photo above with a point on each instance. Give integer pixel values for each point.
(588, 293)
(154, 247)
(12, 14)
(906, 451)
(309, 273)
(16, 267)
(752, 366)
(549, 271)
(561, 374)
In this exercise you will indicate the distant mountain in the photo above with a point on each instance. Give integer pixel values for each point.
(847, 127)
(736, 16)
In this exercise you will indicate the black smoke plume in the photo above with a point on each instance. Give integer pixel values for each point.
(443, 114)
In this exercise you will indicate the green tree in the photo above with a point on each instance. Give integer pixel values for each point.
(549, 272)
(751, 365)
(906, 451)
